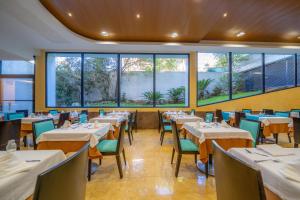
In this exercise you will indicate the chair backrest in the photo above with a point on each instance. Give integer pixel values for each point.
(248, 111)
(120, 144)
(13, 116)
(235, 180)
(66, 180)
(209, 117)
(226, 116)
(23, 111)
(176, 140)
(83, 118)
(85, 112)
(10, 130)
(238, 116)
(39, 127)
(296, 126)
(219, 115)
(101, 112)
(268, 111)
(193, 112)
(53, 112)
(130, 121)
(62, 118)
(282, 114)
(253, 127)
(159, 116)
(295, 110)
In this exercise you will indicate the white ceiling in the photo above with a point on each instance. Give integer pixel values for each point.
(26, 27)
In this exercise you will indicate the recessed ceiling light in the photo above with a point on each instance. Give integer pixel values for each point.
(174, 35)
(225, 15)
(240, 34)
(104, 33)
(70, 14)
(138, 16)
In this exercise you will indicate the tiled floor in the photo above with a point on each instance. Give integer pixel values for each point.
(149, 174)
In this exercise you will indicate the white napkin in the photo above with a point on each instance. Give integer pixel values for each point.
(11, 165)
(224, 124)
(67, 124)
(292, 170)
(49, 115)
(97, 124)
(275, 150)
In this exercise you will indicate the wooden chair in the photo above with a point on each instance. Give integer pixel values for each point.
(268, 111)
(66, 180)
(39, 127)
(219, 115)
(62, 118)
(165, 128)
(238, 116)
(83, 118)
(23, 111)
(10, 130)
(128, 128)
(253, 127)
(296, 126)
(209, 117)
(113, 148)
(182, 146)
(236, 180)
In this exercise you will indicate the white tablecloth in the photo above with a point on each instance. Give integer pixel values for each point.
(80, 133)
(123, 114)
(295, 114)
(29, 120)
(275, 120)
(114, 120)
(20, 186)
(181, 119)
(272, 178)
(205, 131)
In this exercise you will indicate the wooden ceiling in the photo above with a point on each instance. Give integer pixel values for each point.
(193, 20)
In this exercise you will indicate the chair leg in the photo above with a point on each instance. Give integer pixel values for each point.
(276, 137)
(206, 169)
(129, 137)
(162, 137)
(89, 169)
(119, 165)
(296, 145)
(25, 140)
(100, 161)
(196, 158)
(131, 132)
(290, 140)
(123, 152)
(178, 164)
(210, 158)
(173, 152)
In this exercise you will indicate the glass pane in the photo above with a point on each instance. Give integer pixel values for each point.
(12, 106)
(17, 67)
(100, 79)
(63, 80)
(16, 88)
(213, 78)
(172, 78)
(298, 70)
(136, 81)
(246, 75)
(280, 71)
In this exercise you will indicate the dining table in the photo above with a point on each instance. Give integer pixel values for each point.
(279, 167)
(18, 179)
(203, 133)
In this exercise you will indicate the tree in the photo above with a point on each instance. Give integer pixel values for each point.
(222, 59)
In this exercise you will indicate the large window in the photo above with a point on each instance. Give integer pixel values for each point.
(298, 70)
(246, 75)
(100, 80)
(113, 80)
(16, 86)
(213, 78)
(279, 72)
(63, 80)
(136, 80)
(172, 80)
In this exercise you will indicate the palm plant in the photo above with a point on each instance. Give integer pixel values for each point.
(150, 95)
(176, 95)
(202, 87)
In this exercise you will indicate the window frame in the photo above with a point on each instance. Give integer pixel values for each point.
(118, 105)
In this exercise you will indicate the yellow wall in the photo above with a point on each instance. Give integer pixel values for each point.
(281, 100)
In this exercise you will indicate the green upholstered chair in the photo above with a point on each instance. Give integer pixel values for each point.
(182, 146)
(39, 127)
(53, 112)
(248, 111)
(219, 115)
(83, 118)
(85, 112)
(114, 148)
(282, 114)
(238, 116)
(101, 112)
(253, 127)
(65, 180)
(128, 128)
(209, 117)
(23, 111)
(235, 180)
(165, 128)
(14, 116)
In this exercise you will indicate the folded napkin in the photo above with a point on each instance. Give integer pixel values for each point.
(224, 124)
(292, 170)
(11, 165)
(275, 150)
(97, 124)
(67, 124)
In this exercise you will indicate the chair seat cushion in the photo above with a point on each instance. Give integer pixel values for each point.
(188, 145)
(107, 146)
(167, 128)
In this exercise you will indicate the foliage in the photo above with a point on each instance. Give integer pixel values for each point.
(150, 95)
(238, 83)
(176, 95)
(202, 87)
(222, 59)
(222, 86)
